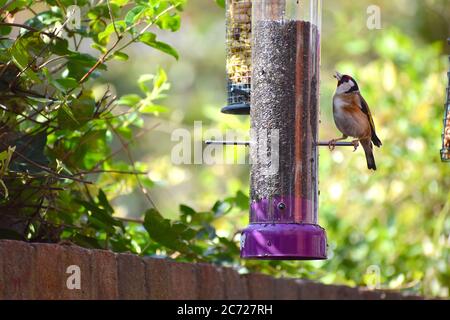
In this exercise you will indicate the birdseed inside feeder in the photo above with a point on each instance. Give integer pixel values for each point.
(445, 151)
(285, 100)
(238, 67)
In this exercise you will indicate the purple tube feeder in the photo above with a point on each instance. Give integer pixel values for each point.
(284, 113)
(284, 118)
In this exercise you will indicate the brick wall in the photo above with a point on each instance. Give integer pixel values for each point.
(39, 271)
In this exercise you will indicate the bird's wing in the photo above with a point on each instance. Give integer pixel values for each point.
(366, 110)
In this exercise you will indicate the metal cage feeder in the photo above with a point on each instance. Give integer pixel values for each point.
(238, 67)
(445, 151)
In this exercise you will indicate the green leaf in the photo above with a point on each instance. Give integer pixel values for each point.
(120, 26)
(242, 201)
(77, 113)
(65, 84)
(103, 201)
(134, 15)
(169, 22)
(149, 39)
(5, 30)
(221, 3)
(186, 210)
(46, 19)
(129, 100)
(153, 108)
(33, 148)
(161, 230)
(160, 79)
(21, 57)
(221, 207)
(120, 3)
(120, 56)
(98, 47)
(85, 241)
(143, 79)
(60, 47)
(101, 218)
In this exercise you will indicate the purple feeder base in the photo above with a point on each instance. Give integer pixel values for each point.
(283, 228)
(284, 241)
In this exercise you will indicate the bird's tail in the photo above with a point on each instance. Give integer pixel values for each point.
(367, 146)
(376, 141)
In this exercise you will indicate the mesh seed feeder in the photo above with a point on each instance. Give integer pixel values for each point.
(445, 151)
(285, 112)
(238, 44)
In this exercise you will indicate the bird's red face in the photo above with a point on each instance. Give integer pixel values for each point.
(345, 84)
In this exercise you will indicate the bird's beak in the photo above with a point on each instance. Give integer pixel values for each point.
(338, 76)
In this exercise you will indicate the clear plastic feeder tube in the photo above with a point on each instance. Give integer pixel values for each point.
(284, 121)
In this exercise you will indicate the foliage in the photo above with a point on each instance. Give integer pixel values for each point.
(57, 129)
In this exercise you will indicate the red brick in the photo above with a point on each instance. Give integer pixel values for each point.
(260, 287)
(74, 255)
(183, 281)
(391, 295)
(367, 294)
(171, 280)
(50, 274)
(131, 272)
(16, 270)
(310, 290)
(347, 293)
(235, 285)
(104, 275)
(210, 282)
(157, 279)
(286, 289)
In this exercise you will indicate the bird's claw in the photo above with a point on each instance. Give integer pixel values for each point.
(355, 145)
(332, 144)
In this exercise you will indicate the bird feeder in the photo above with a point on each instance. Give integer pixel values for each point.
(285, 119)
(238, 44)
(445, 151)
(284, 116)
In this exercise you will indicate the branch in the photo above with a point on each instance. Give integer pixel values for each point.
(130, 158)
(44, 168)
(109, 171)
(125, 145)
(102, 59)
(148, 26)
(119, 36)
(29, 28)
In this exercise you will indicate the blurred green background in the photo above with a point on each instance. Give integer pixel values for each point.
(397, 218)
